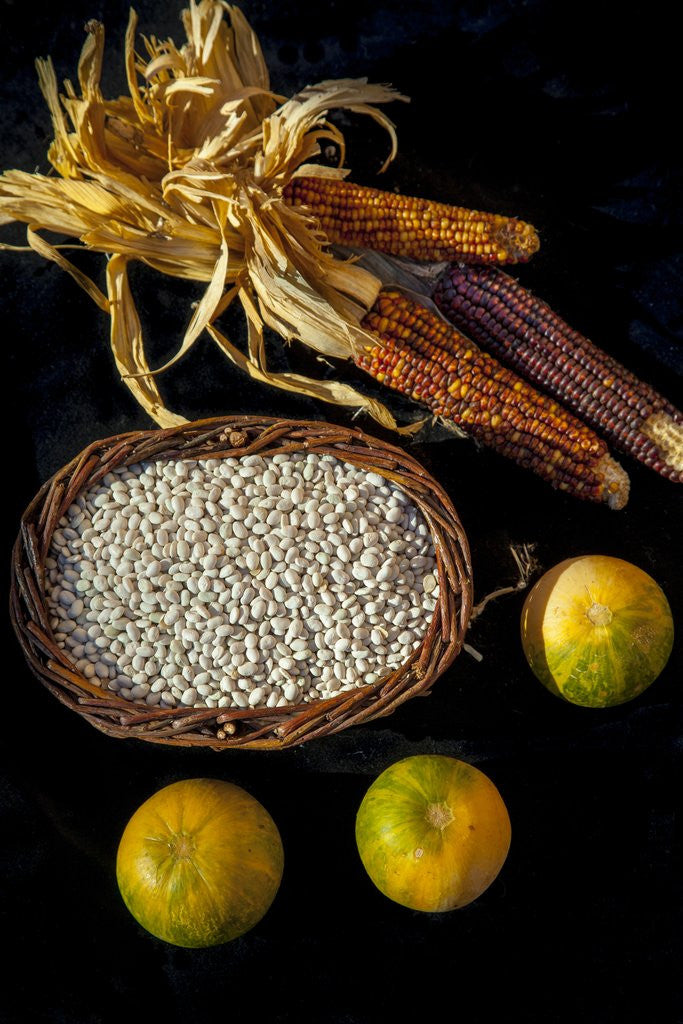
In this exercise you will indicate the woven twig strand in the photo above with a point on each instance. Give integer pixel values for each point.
(254, 728)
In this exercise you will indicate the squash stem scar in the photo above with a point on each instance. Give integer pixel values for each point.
(439, 815)
(181, 847)
(599, 614)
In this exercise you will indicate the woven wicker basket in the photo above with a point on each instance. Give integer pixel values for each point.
(222, 728)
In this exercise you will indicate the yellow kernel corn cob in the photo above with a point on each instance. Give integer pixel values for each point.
(416, 228)
(426, 359)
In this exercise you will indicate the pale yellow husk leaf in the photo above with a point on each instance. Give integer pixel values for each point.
(186, 174)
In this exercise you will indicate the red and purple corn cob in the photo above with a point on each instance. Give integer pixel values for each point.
(526, 334)
(418, 354)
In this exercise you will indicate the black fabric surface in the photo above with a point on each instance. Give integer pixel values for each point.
(563, 114)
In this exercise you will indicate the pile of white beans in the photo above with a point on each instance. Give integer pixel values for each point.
(234, 583)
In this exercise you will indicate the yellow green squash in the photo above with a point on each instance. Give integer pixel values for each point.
(199, 863)
(432, 832)
(596, 630)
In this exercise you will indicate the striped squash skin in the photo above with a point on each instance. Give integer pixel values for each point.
(432, 832)
(597, 630)
(199, 863)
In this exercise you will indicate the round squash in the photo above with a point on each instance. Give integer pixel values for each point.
(199, 863)
(596, 630)
(432, 832)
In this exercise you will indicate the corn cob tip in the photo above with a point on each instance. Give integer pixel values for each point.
(517, 240)
(667, 436)
(616, 484)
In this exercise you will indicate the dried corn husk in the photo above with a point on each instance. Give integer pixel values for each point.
(186, 174)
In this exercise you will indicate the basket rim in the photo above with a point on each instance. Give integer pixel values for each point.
(229, 728)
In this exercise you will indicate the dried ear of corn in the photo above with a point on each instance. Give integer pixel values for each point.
(401, 225)
(527, 335)
(199, 173)
(421, 356)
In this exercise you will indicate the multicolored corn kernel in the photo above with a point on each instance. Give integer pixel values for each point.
(416, 228)
(527, 335)
(426, 359)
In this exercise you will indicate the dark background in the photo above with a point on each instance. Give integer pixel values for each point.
(566, 115)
